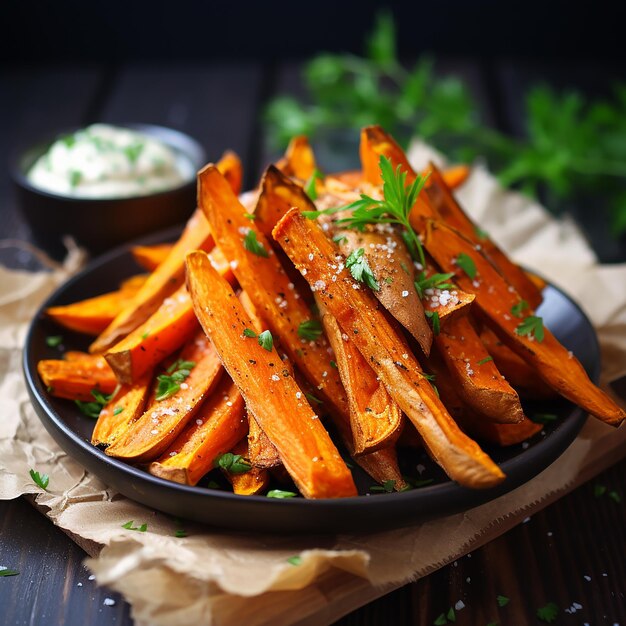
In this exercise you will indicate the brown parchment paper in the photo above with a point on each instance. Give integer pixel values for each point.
(217, 577)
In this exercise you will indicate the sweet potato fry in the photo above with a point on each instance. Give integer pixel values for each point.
(455, 176)
(479, 383)
(501, 306)
(165, 331)
(125, 406)
(278, 194)
(154, 432)
(270, 392)
(375, 418)
(251, 482)
(217, 426)
(150, 257)
(299, 160)
(273, 295)
(499, 434)
(393, 268)
(163, 282)
(170, 274)
(375, 142)
(232, 170)
(93, 315)
(453, 215)
(518, 373)
(356, 311)
(75, 379)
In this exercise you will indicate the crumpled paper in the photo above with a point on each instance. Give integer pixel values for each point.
(217, 577)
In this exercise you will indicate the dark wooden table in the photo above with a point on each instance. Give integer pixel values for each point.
(571, 552)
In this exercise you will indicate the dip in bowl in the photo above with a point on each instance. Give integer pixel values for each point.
(105, 185)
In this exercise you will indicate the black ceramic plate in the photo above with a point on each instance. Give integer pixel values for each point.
(369, 511)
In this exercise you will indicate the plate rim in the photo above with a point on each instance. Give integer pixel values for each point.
(568, 429)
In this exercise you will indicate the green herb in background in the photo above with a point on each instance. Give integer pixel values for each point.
(572, 145)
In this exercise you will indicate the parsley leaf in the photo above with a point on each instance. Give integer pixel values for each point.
(133, 151)
(517, 309)
(532, 326)
(360, 269)
(92, 409)
(41, 480)
(502, 600)
(394, 209)
(435, 281)
(312, 399)
(485, 360)
(599, 490)
(118, 410)
(54, 341)
(548, 612)
(310, 330)
(294, 560)
(441, 620)
(180, 533)
(615, 496)
(543, 418)
(233, 463)
(451, 615)
(309, 187)
(248, 332)
(266, 341)
(169, 384)
(340, 239)
(466, 263)
(386, 487)
(8, 572)
(251, 244)
(75, 178)
(280, 494)
(433, 316)
(130, 526)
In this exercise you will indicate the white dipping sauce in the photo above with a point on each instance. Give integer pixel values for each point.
(105, 161)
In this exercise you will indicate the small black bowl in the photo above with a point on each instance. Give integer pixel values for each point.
(100, 224)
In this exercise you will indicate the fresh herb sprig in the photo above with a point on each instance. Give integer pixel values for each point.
(361, 270)
(41, 480)
(92, 409)
(571, 145)
(393, 209)
(233, 463)
(169, 383)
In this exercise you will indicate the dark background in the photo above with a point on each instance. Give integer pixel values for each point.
(120, 31)
(208, 69)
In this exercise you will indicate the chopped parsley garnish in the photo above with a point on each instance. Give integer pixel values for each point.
(614, 495)
(145, 335)
(312, 399)
(433, 316)
(386, 487)
(180, 533)
(8, 572)
(466, 263)
(250, 216)
(543, 418)
(333, 364)
(310, 330)
(251, 244)
(548, 612)
(280, 494)
(75, 178)
(360, 269)
(340, 239)
(532, 326)
(54, 341)
(441, 620)
(502, 600)
(130, 526)
(451, 615)
(309, 186)
(480, 233)
(41, 480)
(233, 463)
(248, 332)
(485, 360)
(117, 410)
(599, 490)
(389, 280)
(518, 308)
(133, 151)
(266, 341)
(436, 281)
(69, 140)
(169, 383)
(92, 409)
(294, 560)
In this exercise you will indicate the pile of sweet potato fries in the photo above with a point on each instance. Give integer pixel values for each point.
(365, 301)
